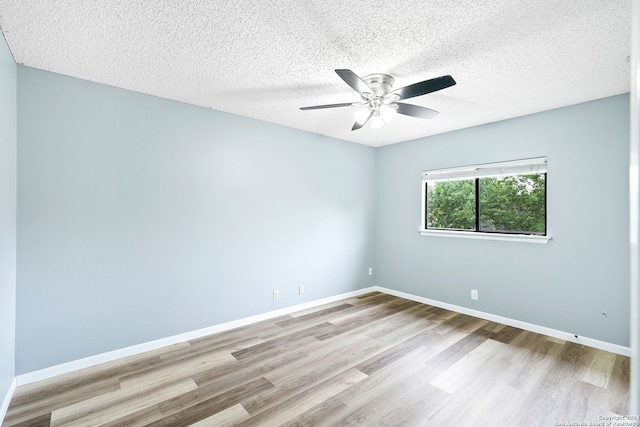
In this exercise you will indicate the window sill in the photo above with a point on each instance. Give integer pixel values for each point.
(526, 238)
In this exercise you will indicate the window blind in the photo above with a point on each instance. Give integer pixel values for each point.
(515, 167)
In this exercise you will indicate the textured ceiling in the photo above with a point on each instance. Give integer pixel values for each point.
(264, 60)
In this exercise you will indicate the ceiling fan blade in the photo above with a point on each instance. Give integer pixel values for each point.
(317, 107)
(354, 81)
(416, 111)
(357, 125)
(422, 88)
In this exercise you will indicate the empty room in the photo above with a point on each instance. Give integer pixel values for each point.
(319, 213)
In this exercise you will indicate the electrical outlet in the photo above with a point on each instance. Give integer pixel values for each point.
(474, 294)
(370, 271)
(275, 295)
(301, 289)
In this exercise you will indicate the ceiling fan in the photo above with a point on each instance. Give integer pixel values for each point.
(380, 101)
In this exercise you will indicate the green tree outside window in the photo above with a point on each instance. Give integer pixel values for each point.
(508, 204)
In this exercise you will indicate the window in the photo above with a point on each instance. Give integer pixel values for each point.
(508, 198)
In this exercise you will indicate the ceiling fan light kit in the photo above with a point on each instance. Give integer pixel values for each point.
(380, 102)
(377, 122)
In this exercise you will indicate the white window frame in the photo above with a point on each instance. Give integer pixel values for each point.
(515, 167)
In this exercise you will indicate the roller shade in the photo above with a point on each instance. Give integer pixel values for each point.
(516, 167)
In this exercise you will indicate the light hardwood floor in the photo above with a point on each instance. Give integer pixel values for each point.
(373, 360)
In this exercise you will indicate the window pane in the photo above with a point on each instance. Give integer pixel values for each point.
(513, 204)
(451, 204)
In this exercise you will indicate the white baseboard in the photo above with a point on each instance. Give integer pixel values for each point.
(567, 336)
(7, 400)
(86, 362)
(152, 345)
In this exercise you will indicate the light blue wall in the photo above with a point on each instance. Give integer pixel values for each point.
(140, 218)
(7, 217)
(565, 284)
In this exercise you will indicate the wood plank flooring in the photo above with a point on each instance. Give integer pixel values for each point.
(373, 360)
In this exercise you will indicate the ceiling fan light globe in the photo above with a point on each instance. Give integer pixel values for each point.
(388, 112)
(361, 115)
(377, 122)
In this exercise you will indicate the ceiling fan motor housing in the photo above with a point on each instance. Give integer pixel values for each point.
(379, 83)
